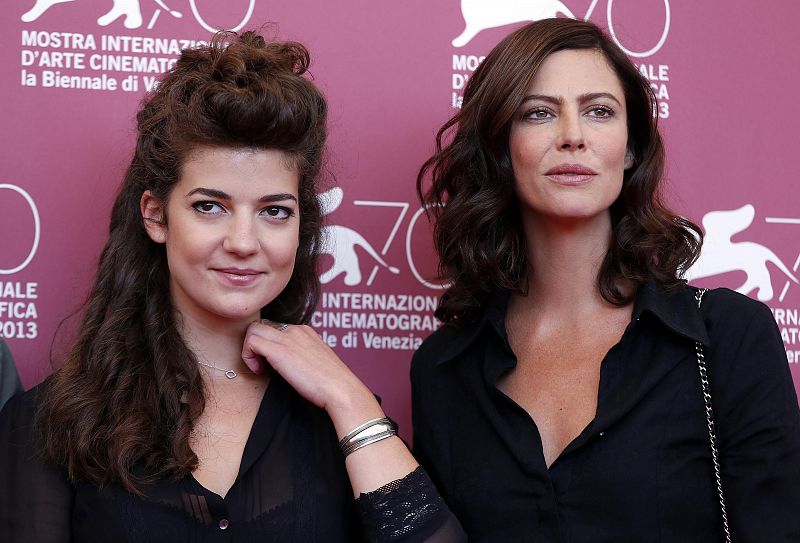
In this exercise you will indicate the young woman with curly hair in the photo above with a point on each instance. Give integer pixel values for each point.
(195, 404)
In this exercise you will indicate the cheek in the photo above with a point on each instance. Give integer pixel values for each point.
(526, 154)
(282, 251)
(516, 152)
(614, 148)
(187, 247)
(525, 161)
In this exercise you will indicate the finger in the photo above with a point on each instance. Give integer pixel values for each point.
(258, 352)
(299, 336)
(252, 351)
(265, 329)
(279, 326)
(255, 363)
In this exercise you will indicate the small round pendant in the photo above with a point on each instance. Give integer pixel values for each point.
(230, 374)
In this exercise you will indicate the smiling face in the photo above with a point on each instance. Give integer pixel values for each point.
(231, 232)
(568, 139)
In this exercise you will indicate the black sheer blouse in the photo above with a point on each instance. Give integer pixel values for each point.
(291, 486)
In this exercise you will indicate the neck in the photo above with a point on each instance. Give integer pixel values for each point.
(218, 343)
(564, 259)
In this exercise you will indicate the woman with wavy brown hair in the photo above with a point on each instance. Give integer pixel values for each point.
(195, 405)
(570, 395)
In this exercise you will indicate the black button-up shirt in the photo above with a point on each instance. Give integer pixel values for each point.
(641, 471)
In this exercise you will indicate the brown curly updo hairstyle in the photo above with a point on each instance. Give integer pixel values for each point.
(478, 232)
(126, 398)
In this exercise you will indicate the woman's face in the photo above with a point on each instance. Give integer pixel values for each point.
(569, 137)
(231, 234)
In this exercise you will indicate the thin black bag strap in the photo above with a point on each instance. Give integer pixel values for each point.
(712, 432)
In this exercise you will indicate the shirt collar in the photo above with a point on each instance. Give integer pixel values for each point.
(677, 310)
(464, 334)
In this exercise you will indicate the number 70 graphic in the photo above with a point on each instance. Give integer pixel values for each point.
(403, 208)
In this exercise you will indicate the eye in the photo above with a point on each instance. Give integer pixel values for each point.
(601, 112)
(208, 207)
(538, 114)
(277, 212)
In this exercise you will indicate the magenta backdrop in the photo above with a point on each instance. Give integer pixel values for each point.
(393, 75)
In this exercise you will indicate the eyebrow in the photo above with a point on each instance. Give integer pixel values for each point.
(587, 97)
(214, 193)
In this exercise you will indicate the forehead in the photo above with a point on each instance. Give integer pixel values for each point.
(245, 168)
(574, 72)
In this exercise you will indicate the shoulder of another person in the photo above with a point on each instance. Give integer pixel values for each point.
(726, 311)
(745, 345)
(20, 409)
(445, 342)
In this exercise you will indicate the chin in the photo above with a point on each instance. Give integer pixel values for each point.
(239, 312)
(577, 210)
(576, 213)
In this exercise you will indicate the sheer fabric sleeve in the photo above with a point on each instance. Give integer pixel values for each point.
(35, 498)
(408, 510)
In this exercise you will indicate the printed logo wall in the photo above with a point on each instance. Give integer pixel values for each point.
(73, 80)
(393, 73)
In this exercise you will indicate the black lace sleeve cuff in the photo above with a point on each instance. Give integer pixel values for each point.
(402, 508)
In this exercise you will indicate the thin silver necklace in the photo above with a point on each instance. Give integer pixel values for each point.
(230, 374)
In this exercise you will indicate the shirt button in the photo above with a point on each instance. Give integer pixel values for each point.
(223, 524)
(601, 434)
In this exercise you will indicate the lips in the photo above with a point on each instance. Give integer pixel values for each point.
(238, 271)
(571, 174)
(238, 276)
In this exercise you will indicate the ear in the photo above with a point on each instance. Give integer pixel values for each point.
(153, 215)
(630, 160)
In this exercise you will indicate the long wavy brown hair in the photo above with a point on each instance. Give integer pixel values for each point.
(477, 222)
(123, 404)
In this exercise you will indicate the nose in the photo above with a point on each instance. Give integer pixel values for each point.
(241, 237)
(570, 135)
